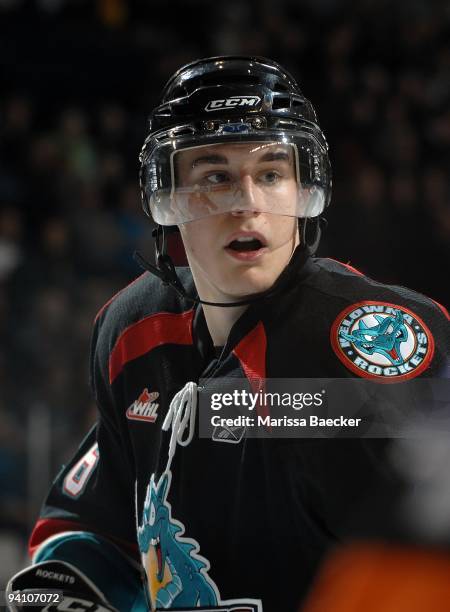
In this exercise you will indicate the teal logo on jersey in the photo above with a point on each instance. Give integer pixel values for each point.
(177, 573)
(382, 340)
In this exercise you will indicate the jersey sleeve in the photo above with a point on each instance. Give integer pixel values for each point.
(89, 511)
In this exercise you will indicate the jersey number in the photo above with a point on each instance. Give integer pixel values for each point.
(76, 480)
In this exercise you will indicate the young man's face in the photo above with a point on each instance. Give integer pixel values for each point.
(244, 250)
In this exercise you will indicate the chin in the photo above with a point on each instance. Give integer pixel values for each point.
(251, 281)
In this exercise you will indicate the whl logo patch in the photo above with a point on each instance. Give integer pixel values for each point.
(382, 341)
(233, 102)
(144, 408)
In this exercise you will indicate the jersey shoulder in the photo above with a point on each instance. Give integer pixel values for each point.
(379, 331)
(144, 298)
(345, 283)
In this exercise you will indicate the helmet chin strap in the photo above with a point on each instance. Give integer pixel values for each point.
(319, 224)
(166, 271)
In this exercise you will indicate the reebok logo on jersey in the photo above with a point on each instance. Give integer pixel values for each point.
(232, 435)
(382, 341)
(144, 408)
(233, 102)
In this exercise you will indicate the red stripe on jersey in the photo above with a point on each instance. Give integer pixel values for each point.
(105, 306)
(348, 266)
(148, 333)
(251, 352)
(443, 308)
(46, 528)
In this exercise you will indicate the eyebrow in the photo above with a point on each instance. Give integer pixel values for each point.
(275, 156)
(209, 159)
(221, 159)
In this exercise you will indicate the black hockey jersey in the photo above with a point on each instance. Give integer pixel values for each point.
(244, 525)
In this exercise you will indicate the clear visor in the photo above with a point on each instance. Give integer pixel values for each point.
(194, 182)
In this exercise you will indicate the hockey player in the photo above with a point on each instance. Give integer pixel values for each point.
(148, 515)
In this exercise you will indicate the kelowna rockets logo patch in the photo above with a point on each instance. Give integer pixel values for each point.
(382, 341)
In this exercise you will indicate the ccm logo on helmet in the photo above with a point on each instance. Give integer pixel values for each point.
(233, 102)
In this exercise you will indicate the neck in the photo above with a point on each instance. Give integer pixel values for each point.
(221, 320)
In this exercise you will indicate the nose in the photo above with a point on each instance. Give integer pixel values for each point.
(246, 202)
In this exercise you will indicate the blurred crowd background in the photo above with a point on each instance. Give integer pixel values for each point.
(78, 81)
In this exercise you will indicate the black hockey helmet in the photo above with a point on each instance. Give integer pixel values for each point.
(231, 99)
(265, 86)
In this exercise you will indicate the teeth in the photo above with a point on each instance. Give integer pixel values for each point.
(154, 541)
(246, 239)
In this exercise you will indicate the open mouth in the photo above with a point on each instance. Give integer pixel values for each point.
(367, 346)
(243, 245)
(246, 246)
